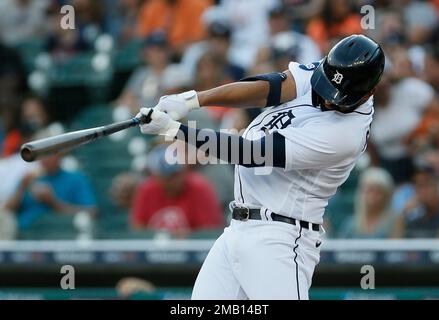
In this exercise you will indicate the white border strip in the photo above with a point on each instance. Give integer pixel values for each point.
(107, 245)
(204, 245)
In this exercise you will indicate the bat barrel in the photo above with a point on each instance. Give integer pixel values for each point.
(33, 150)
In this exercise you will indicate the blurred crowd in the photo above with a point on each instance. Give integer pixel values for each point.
(125, 54)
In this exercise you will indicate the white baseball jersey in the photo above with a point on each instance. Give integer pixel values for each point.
(321, 150)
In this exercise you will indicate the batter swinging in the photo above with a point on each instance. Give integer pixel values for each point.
(317, 121)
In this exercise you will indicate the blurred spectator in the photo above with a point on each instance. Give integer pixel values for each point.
(51, 189)
(426, 135)
(22, 20)
(143, 88)
(390, 27)
(431, 69)
(89, 24)
(287, 45)
(179, 19)
(297, 46)
(12, 86)
(303, 9)
(337, 20)
(420, 217)
(398, 109)
(122, 19)
(250, 30)
(32, 116)
(12, 171)
(63, 43)
(210, 73)
(435, 3)
(89, 16)
(372, 217)
(8, 224)
(11, 130)
(420, 20)
(174, 199)
(12, 77)
(175, 80)
(123, 188)
(218, 44)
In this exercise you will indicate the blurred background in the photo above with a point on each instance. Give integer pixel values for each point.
(136, 227)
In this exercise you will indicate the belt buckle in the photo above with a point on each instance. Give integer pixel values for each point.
(247, 214)
(244, 212)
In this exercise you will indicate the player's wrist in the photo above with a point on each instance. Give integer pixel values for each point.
(171, 129)
(191, 99)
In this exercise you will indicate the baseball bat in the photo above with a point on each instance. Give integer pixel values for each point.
(34, 150)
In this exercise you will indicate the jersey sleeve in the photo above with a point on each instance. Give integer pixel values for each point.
(302, 76)
(314, 147)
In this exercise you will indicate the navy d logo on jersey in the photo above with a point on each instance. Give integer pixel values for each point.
(279, 120)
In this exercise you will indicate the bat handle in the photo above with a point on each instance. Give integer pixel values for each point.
(144, 119)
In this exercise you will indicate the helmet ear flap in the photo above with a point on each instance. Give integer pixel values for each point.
(318, 101)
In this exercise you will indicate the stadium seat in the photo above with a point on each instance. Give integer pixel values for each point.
(29, 50)
(342, 204)
(128, 56)
(206, 234)
(51, 226)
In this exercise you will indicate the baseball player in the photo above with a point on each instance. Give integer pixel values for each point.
(317, 120)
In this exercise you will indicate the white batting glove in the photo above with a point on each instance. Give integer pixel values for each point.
(178, 105)
(161, 123)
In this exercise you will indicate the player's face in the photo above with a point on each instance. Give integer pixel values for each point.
(329, 105)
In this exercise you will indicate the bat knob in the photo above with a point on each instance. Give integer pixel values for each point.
(145, 118)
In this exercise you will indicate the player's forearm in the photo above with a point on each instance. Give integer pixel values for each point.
(268, 151)
(237, 94)
(252, 93)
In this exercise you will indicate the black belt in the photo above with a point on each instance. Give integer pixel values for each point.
(243, 214)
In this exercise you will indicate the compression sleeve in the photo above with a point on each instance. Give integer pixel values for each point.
(268, 151)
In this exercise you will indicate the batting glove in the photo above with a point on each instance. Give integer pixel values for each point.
(178, 105)
(161, 123)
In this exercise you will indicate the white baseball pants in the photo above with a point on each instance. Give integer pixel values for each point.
(259, 260)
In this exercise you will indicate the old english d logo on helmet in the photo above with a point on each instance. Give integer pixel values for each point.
(349, 72)
(338, 77)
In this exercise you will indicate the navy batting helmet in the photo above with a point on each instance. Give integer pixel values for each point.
(348, 73)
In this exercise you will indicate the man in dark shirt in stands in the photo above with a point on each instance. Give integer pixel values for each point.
(420, 218)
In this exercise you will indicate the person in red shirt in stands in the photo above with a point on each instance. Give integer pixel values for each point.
(174, 199)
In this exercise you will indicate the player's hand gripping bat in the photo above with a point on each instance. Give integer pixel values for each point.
(34, 150)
